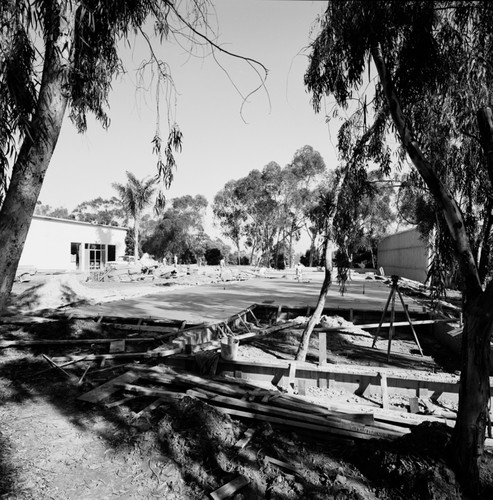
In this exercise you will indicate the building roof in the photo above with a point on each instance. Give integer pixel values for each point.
(78, 222)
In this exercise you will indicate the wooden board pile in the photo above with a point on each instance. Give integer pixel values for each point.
(244, 400)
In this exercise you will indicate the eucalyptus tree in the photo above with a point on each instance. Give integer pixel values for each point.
(63, 54)
(260, 194)
(101, 211)
(230, 214)
(432, 89)
(365, 214)
(179, 230)
(136, 195)
(300, 180)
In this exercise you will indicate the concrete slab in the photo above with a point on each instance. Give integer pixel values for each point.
(219, 301)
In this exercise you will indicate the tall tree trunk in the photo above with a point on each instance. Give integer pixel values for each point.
(469, 430)
(35, 153)
(327, 253)
(312, 249)
(467, 443)
(136, 237)
(290, 249)
(315, 317)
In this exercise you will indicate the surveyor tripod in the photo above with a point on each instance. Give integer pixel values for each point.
(391, 300)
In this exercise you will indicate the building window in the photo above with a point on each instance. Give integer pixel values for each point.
(96, 253)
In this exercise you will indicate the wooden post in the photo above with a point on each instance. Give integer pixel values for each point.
(322, 348)
(301, 386)
(385, 391)
(413, 405)
(292, 373)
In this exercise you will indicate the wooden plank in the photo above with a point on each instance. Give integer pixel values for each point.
(119, 402)
(374, 326)
(350, 373)
(247, 436)
(228, 489)
(79, 382)
(385, 391)
(47, 342)
(300, 416)
(300, 405)
(107, 389)
(147, 391)
(70, 376)
(285, 465)
(63, 365)
(154, 354)
(192, 380)
(168, 331)
(302, 425)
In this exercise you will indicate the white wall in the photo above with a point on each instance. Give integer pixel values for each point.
(404, 254)
(48, 242)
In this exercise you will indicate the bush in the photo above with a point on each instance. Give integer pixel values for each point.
(213, 256)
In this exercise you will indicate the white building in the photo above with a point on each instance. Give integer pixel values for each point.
(69, 245)
(404, 254)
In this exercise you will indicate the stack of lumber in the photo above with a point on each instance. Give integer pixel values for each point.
(243, 400)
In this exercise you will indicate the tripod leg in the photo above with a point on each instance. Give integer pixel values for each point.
(392, 320)
(410, 323)
(375, 338)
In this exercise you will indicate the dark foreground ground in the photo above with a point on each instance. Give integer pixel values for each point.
(55, 446)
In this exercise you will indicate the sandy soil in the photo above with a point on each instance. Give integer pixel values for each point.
(53, 446)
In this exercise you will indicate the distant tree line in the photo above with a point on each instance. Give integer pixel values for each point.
(263, 215)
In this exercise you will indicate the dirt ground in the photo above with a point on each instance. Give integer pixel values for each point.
(53, 446)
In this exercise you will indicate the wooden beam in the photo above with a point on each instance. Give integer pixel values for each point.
(374, 326)
(107, 389)
(46, 342)
(301, 425)
(322, 348)
(349, 374)
(228, 489)
(70, 376)
(385, 391)
(285, 465)
(147, 391)
(154, 354)
(329, 421)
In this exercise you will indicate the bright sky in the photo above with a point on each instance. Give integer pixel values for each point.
(217, 145)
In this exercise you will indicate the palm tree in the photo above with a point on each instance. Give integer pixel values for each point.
(136, 196)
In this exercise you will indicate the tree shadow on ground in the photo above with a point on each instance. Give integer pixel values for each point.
(7, 472)
(37, 297)
(189, 443)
